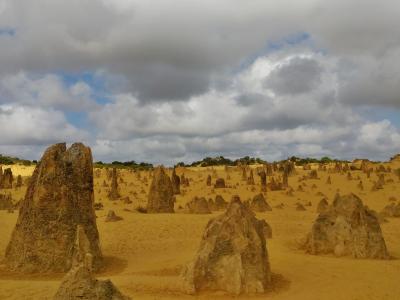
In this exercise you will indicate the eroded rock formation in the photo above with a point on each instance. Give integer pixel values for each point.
(233, 254)
(347, 228)
(58, 199)
(161, 194)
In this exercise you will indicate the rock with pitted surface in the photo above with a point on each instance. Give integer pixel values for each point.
(58, 199)
(233, 255)
(161, 194)
(347, 228)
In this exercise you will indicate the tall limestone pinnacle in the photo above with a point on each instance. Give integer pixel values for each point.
(58, 199)
(161, 193)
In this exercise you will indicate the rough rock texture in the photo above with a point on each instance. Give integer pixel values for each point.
(161, 194)
(59, 197)
(198, 205)
(176, 183)
(259, 204)
(233, 255)
(79, 282)
(219, 183)
(6, 202)
(7, 179)
(347, 228)
(114, 194)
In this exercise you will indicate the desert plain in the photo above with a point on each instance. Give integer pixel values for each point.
(145, 253)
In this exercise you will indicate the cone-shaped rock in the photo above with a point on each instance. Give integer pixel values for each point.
(198, 205)
(322, 205)
(220, 202)
(233, 254)
(259, 204)
(347, 228)
(161, 194)
(59, 197)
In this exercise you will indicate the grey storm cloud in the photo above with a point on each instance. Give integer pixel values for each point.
(297, 76)
(172, 52)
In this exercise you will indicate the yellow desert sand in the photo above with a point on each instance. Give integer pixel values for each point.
(145, 254)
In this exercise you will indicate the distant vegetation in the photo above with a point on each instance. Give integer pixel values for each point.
(8, 160)
(247, 160)
(303, 161)
(124, 165)
(222, 161)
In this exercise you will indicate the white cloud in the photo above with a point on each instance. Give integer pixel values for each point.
(45, 91)
(22, 125)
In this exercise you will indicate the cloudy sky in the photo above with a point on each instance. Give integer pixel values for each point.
(168, 81)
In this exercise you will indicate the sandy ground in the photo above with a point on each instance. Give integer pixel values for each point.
(144, 253)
